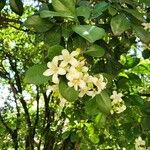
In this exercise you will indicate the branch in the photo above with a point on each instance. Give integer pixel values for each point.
(37, 110)
(6, 126)
(19, 86)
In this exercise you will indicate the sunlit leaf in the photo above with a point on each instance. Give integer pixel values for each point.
(34, 75)
(89, 32)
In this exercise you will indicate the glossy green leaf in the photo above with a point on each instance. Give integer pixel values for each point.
(47, 14)
(119, 24)
(95, 51)
(84, 11)
(103, 101)
(38, 24)
(136, 14)
(2, 4)
(17, 6)
(69, 93)
(34, 75)
(65, 6)
(99, 8)
(89, 32)
(142, 33)
(54, 51)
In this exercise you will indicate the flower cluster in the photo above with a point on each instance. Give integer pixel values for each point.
(139, 144)
(76, 74)
(118, 105)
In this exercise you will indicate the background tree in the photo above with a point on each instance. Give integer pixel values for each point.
(112, 38)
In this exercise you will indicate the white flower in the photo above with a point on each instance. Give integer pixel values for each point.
(81, 67)
(120, 109)
(68, 58)
(92, 93)
(117, 97)
(54, 69)
(99, 83)
(146, 25)
(139, 144)
(75, 78)
(83, 91)
(118, 105)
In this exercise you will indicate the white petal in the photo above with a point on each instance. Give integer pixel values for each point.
(63, 64)
(55, 60)
(82, 84)
(74, 62)
(49, 64)
(65, 52)
(55, 78)
(61, 71)
(85, 69)
(70, 84)
(48, 72)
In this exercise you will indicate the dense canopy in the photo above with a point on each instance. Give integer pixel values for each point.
(75, 74)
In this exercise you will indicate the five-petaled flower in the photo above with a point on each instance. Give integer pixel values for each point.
(54, 69)
(68, 58)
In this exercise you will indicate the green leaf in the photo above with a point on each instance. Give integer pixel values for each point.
(89, 32)
(131, 61)
(146, 2)
(53, 36)
(112, 11)
(65, 135)
(95, 51)
(54, 51)
(136, 14)
(17, 6)
(141, 69)
(84, 11)
(146, 123)
(123, 83)
(119, 24)
(65, 6)
(103, 101)
(2, 4)
(94, 138)
(47, 14)
(146, 54)
(134, 79)
(37, 23)
(99, 8)
(142, 33)
(34, 75)
(91, 107)
(135, 100)
(146, 107)
(100, 120)
(69, 93)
